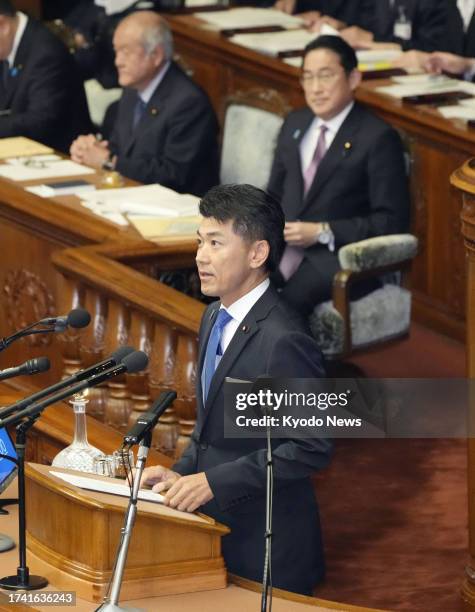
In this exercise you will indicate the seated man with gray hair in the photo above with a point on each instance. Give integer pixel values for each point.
(165, 131)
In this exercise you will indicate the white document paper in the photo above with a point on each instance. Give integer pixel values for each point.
(116, 488)
(149, 200)
(273, 43)
(430, 87)
(33, 160)
(466, 113)
(194, 3)
(294, 61)
(250, 18)
(103, 486)
(470, 102)
(421, 79)
(53, 169)
(372, 56)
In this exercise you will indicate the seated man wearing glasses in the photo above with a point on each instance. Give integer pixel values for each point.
(338, 172)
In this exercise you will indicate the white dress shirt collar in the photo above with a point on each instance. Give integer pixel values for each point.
(335, 123)
(466, 8)
(239, 310)
(148, 92)
(22, 21)
(310, 138)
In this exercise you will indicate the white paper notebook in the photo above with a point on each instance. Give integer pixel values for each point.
(466, 113)
(273, 43)
(103, 486)
(148, 200)
(249, 18)
(53, 169)
(430, 87)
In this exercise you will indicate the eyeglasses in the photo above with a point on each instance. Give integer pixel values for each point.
(325, 77)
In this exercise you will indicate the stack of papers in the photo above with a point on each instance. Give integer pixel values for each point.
(376, 59)
(242, 18)
(273, 43)
(432, 85)
(193, 4)
(19, 145)
(51, 169)
(147, 201)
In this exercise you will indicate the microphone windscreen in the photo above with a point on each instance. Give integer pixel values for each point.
(122, 352)
(42, 364)
(135, 362)
(78, 317)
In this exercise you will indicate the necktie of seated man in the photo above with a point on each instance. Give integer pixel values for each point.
(292, 257)
(213, 350)
(139, 110)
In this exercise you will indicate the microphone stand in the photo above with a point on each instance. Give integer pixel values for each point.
(267, 578)
(111, 601)
(22, 580)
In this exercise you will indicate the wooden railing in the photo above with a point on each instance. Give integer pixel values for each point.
(127, 306)
(464, 181)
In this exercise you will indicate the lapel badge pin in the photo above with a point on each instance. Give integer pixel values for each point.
(245, 328)
(347, 148)
(154, 111)
(296, 134)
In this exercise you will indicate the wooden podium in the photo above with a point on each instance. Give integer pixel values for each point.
(73, 534)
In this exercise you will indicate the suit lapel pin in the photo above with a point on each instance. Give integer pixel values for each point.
(154, 111)
(347, 148)
(245, 329)
(296, 134)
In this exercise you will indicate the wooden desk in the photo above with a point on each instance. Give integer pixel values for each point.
(239, 596)
(436, 148)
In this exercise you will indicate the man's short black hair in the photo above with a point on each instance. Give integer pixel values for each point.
(255, 214)
(345, 52)
(6, 8)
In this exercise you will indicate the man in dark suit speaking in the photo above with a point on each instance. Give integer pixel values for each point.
(41, 94)
(248, 333)
(165, 131)
(338, 172)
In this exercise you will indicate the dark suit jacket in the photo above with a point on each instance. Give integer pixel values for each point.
(360, 187)
(429, 20)
(175, 142)
(272, 341)
(344, 10)
(45, 98)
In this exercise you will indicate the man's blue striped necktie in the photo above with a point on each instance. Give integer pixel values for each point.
(214, 349)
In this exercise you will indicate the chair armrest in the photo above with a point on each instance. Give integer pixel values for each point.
(369, 258)
(376, 252)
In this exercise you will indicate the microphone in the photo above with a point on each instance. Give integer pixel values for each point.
(77, 318)
(147, 421)
(32, 366)
(116, 357)
(134, 362)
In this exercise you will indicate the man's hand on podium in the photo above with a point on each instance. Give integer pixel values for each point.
(159, 478)
(185, 493)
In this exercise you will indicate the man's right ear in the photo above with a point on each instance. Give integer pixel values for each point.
(355, 78)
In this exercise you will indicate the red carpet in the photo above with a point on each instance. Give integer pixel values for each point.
(394, 512)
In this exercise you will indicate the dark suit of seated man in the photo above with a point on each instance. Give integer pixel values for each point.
(248, 333)
(41, 94)
(338, 172)
(165, 131)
